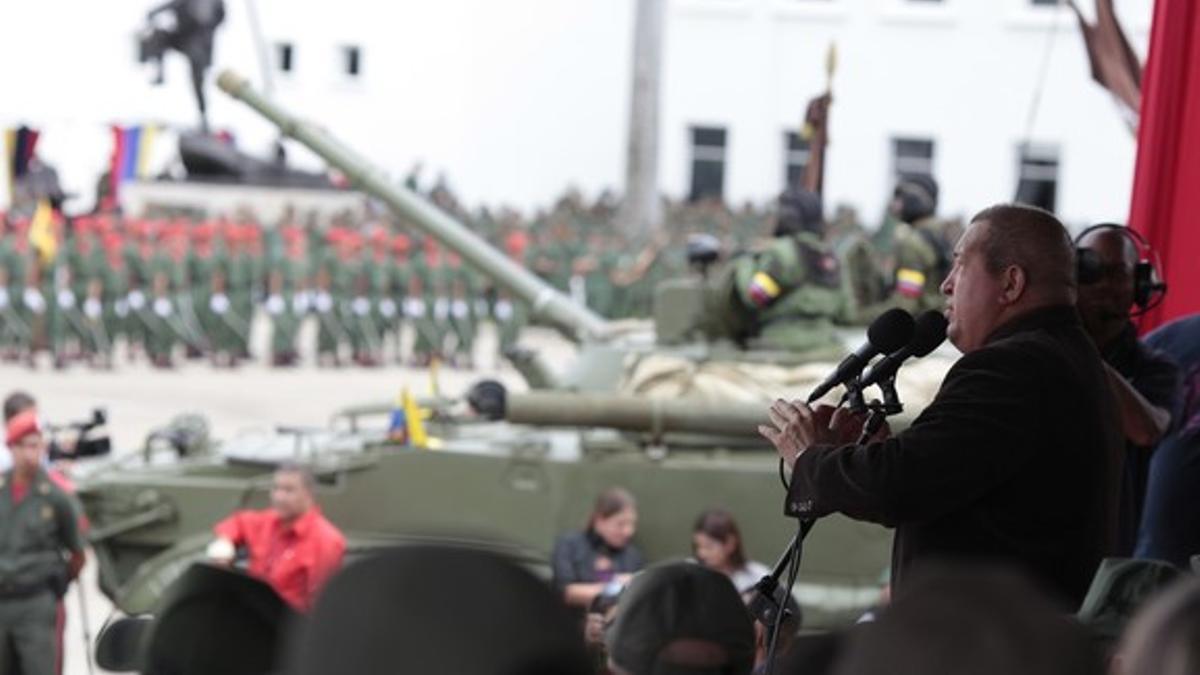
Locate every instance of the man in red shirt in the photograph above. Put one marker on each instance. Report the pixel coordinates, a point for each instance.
(291, 545)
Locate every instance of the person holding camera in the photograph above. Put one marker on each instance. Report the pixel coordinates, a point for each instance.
(41, 550)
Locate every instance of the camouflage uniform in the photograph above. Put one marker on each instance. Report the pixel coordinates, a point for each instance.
(922, 263)
(792, 291)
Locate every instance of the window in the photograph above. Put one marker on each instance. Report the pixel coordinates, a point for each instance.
(1037, 176)
(708, 163)
(795, 158)
(352, 60)
(910, 157)
(284, 57)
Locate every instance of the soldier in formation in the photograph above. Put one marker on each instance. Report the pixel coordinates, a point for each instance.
(376, 291)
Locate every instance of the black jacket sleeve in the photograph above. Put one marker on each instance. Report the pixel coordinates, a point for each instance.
(974, 436)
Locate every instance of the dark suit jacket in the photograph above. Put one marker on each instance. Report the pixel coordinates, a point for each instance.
(1016, 460)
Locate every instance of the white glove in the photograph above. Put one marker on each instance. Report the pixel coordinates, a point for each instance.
(66, 299)
(34, 300)
(162, 307)
(275, 305)
(221, 550)
(414, 308)
(219, 303)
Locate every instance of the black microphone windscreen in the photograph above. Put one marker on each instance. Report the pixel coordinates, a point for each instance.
(930, 332)
(891, 330)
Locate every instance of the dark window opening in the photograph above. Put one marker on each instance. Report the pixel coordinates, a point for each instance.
(352, 60)
(795, 159)
(1037, 176)
(911, 157)
(708, 163)
(284, 56)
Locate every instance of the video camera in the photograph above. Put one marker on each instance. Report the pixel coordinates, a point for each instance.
(76, 440)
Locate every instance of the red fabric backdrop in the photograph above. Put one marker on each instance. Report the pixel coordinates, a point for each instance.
(1166, 186)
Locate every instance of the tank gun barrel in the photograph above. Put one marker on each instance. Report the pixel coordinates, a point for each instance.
(546, 302)
(635, 413)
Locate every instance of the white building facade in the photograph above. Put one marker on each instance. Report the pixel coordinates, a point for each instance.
(514, 101)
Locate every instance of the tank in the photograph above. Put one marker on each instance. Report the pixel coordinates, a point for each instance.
(673, 423)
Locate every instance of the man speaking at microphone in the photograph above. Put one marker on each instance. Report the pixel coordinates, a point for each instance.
(1016, 459)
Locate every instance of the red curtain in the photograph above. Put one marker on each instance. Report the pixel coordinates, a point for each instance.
(1166, 185)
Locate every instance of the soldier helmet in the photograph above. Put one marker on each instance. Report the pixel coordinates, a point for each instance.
(918, 196)
(799, 211)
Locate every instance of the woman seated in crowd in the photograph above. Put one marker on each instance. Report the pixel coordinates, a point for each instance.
(599, 560)
(717, 544)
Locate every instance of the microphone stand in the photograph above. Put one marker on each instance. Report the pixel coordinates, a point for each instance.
(769, 605)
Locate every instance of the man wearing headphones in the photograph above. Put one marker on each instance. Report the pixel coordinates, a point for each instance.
(1117, 282)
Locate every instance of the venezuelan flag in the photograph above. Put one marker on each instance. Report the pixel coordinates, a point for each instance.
(763, 289)
(910, 283)
(132, 147)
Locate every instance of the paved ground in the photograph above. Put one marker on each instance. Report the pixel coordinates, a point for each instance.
(138, 399)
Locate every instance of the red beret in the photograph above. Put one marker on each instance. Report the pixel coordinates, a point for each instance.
(20, 426)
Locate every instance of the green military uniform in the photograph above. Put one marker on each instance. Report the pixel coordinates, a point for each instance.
(36, 534)
(510, 316)
(33, 306)
(598, 282)
(90, 288)
(421, 309)
(787, 296)
(163, 315)
(862, 282)
(463, 313)
(287, 306)
(114, 306)
(138, 321)
(360, 309)
(244, 272)
(15, 331)
(395, 296)
(201, 265)
(328, 296)
(922, 263)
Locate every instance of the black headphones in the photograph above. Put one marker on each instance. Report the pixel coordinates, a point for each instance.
(1148, 287)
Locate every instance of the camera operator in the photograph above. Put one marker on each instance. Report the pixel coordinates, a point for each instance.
(1017, 458)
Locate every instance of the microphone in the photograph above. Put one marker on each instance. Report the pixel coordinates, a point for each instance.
(888, 332)
(930, 331)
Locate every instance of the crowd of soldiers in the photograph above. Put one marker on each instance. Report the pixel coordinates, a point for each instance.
(375, 290)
